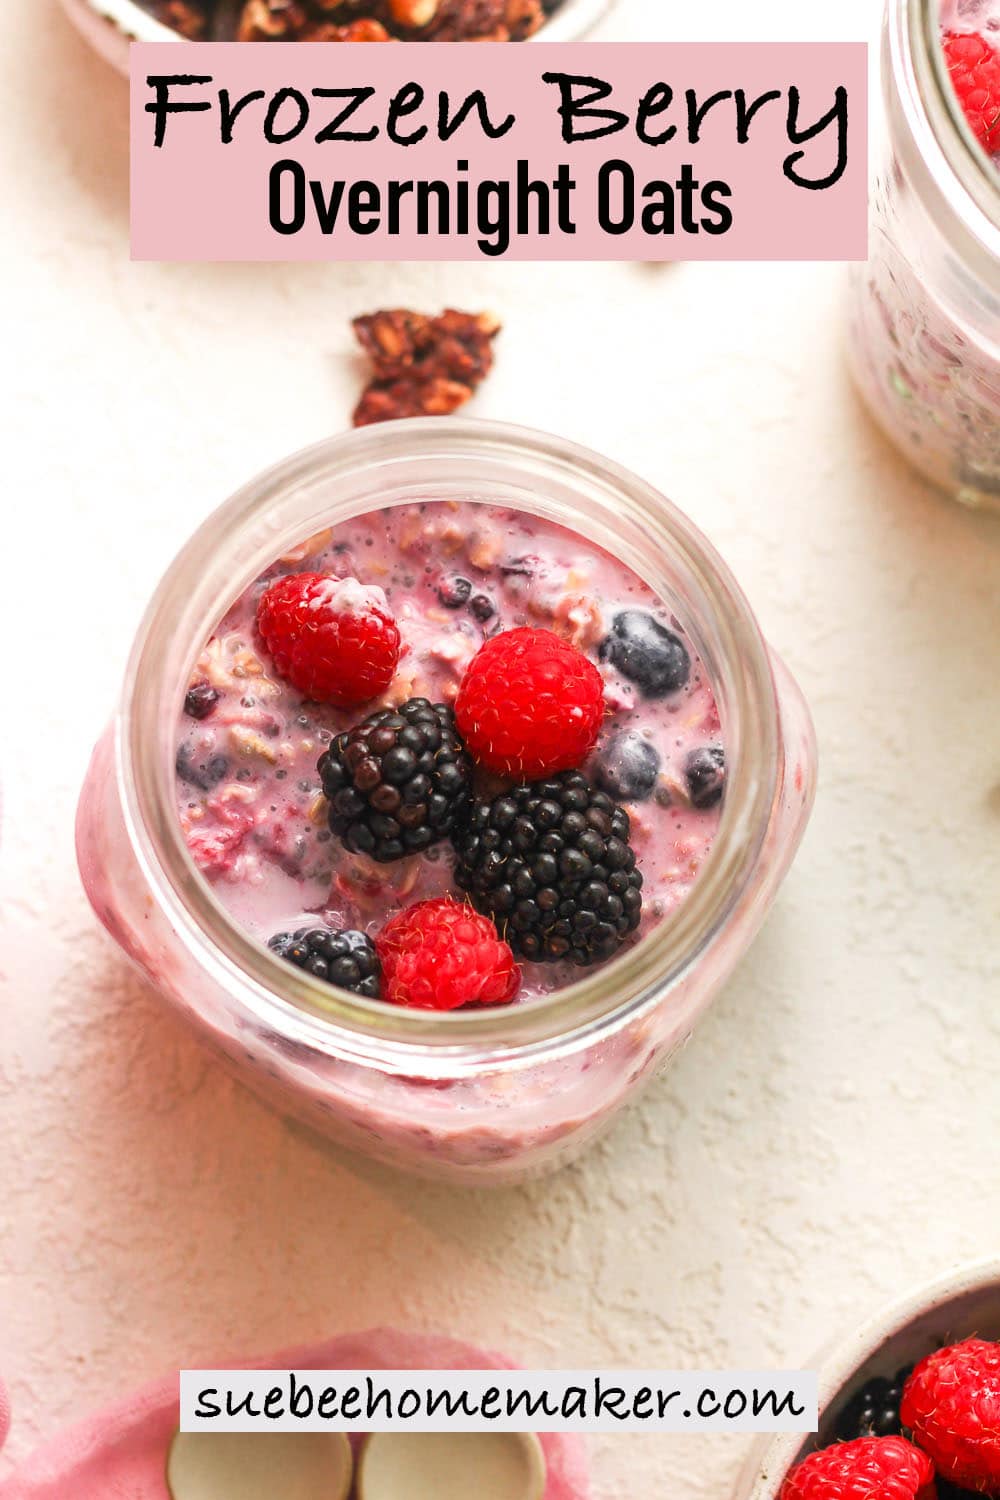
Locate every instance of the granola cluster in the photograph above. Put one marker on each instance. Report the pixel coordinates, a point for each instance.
(422, 367)
(353, 20)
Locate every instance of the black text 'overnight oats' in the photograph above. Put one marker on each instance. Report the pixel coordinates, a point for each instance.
(484, 798)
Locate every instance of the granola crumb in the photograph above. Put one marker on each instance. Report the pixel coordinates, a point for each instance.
(366, 29)
(185, 16)
(422, 366)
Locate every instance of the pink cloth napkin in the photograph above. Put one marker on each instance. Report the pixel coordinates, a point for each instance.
(121, 1454)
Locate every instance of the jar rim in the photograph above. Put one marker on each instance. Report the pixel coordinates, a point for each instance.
(185, 610)
(941, 152)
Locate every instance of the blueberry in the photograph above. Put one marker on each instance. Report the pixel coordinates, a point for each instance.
(519, 567)
(482, 607)
(705, 774)
(647, 653)
(200, 700)
(627, 767)
(454, 592)
(203, 774)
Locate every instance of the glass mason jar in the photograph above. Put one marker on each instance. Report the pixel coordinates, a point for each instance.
(479, 1095)
(925, 310)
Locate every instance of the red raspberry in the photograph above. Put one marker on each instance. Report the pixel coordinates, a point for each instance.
(888, 1468)
(332, 638)
(216, 843)
(440, 954)
(951, 1403)
(975, 75)
(530, 704)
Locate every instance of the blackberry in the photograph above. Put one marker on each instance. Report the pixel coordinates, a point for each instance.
(705, 774)
(347, 959)
(874, 1410)
(396, 781)
(647, 653)
(551, 862)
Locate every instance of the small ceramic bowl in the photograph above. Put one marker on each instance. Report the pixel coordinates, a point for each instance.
(962, 1304)
(451, 1466)
(110, 25)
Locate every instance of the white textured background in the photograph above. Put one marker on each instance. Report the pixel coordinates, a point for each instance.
(829, 1137)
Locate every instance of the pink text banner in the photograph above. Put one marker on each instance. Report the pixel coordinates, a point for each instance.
(452, 151)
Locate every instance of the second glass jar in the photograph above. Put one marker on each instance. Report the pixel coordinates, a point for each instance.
(487, 1095)
(925, 310)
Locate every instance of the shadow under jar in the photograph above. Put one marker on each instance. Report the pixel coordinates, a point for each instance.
(475, 1095)
(925, 309)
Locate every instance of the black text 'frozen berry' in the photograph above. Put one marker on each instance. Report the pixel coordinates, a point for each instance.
(396, 781)
(347, 959)
(627, 767)
(705, 774)
(647, 653)
(551, 863)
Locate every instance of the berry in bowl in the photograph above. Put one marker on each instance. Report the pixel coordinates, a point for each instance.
(451, 778)
(907, 1408)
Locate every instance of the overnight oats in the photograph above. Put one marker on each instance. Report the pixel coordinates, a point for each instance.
(451, 779)
(925, 324)
(442, 704)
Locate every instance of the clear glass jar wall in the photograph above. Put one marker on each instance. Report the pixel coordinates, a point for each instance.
(925, 309)
(477, 1096)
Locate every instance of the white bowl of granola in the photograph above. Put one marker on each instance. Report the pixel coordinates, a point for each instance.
(111, 25)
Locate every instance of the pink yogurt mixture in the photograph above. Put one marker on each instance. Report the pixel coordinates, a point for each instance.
(971, 15)
(248, 792)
